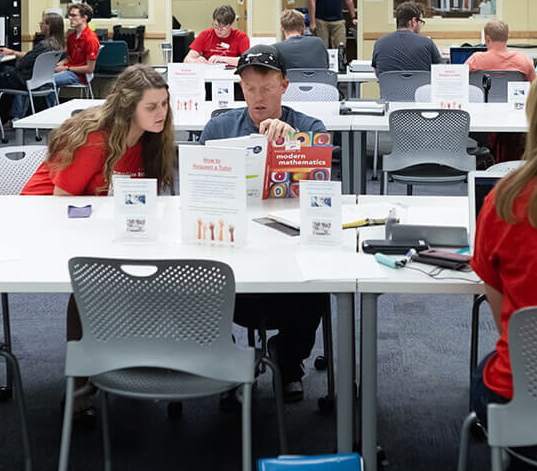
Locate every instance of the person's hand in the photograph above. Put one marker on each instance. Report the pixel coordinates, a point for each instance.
(274, 129)
(215, 59)
(354, 21)
(60, 68)
(6, 51)
(201, 60)
(313, 26)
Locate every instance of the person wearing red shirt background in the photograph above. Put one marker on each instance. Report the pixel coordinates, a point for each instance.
(505, 258)
(131, 133)
(82, 48)
(221, 43)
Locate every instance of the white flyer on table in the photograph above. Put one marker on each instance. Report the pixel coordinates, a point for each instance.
(332, 60)
(449, 85)
(320, 212)
(213, 195)
(135, 209)
(255, 146)
(187, 86)
(517, 94)
(223, 93)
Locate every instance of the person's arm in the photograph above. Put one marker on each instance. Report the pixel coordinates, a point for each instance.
(350, 7)
(311, 12)
(436, 56)
(11, 52)
(223, 60)
(77, 69)
(193, 57)
(495, 299)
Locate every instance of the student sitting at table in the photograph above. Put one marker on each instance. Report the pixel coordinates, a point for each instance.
(263, 82)
(221, 43)
(130, 134)
(51, 26)
(505, 258)
(299, 51)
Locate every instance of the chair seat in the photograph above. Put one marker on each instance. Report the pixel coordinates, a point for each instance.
(158, 383)
(429, 173)
(36, 92)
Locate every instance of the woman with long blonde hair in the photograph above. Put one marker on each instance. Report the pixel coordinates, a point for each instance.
(506, 260)
(130, 134)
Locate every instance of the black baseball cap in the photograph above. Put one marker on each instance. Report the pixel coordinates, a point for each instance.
(261, 55)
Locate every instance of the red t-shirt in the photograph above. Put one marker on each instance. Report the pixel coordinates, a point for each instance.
(85, 175)
(81, 50)
(208, 44)
(506, 258)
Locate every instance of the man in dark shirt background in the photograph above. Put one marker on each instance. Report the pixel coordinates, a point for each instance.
(326, 21)
(405, 49)
(299, 51)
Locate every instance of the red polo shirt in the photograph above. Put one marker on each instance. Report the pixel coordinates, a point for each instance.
(82, 49)
(208, 44)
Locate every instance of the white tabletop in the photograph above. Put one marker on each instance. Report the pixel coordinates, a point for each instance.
(52, 118)
(8, 57)
(484, 117)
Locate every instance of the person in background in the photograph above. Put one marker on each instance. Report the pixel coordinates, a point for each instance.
(51, 26)
(262, 71)
(82, 48)
(498, 57)
(299, 51)
(221, 43)
(405, 49)
(326, 21)
(505, 258)
(130, 134)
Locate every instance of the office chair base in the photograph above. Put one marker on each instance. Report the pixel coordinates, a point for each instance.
(478, 432)
(6, 393)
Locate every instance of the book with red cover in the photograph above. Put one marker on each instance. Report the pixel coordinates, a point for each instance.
(305, 156)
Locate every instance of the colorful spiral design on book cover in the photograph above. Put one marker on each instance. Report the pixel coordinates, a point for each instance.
(297, 176)
(279, 190)
(295, 190)
(320, 174)
(280, 142)
(303, 137)
(321, 139)
(279, 177)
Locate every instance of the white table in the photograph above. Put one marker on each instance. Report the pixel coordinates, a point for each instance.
(484, 117)
(38, 230)
(8, 57)
(431, 210)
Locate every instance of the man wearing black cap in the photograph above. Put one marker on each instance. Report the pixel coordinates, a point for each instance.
(296, 316)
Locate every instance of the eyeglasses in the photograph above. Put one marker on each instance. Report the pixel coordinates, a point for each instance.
(73, 15)
(420, 20)
(220, 27)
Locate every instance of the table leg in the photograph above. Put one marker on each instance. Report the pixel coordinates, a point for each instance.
(19, 136)
(368, 363)
(344, 376)
(7, 390)
(346, 162)
(349, 90)
(358, 183)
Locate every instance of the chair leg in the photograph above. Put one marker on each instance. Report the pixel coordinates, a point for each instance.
(474, 335)
(247, 427)
(67, 424)
(11, 360)
(470, 420)
(90, 90)
(278, 393)
(107, 453)
(384, 183)
(37, 135)
(496, 460)
(375, 157)
(409, 190)
(328, 354)
(6, 391)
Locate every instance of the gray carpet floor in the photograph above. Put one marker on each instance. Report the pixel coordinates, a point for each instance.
(423, 395)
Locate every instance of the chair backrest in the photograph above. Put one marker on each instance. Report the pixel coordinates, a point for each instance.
(113, 57)
(43, 71)
(401, 85)
(341, 462)
(521, 413)
(505, 167)
(421, 136)
(219, 111)
(89, 77)
(302, 91)
(173, 314)
(17, 165)
(498, 82)
(475, 94)
(312, 75)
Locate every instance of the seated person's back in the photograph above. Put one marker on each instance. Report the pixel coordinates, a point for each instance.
(405, 49)
(299, 51)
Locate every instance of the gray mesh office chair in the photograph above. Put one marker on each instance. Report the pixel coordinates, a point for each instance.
(42, 74)
(312, 75)
(429, 147)
(398, 85)
(512, 424)
(498, 83)
(85, 88)
(157, 330)
(475, 94)
(311, 91)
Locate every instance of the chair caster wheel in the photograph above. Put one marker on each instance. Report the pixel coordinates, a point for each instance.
(374, 178)
(326, 404)
(175, 410)
(5, 141)
(478, 432)
(320, 363)
(6, 393)
(382, 458)
(38, 138)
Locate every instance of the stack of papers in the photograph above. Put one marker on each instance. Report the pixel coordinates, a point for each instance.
(361, 66)
(375, 107)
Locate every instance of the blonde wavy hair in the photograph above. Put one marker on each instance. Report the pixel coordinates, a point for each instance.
(114, 118)
(511, 186)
